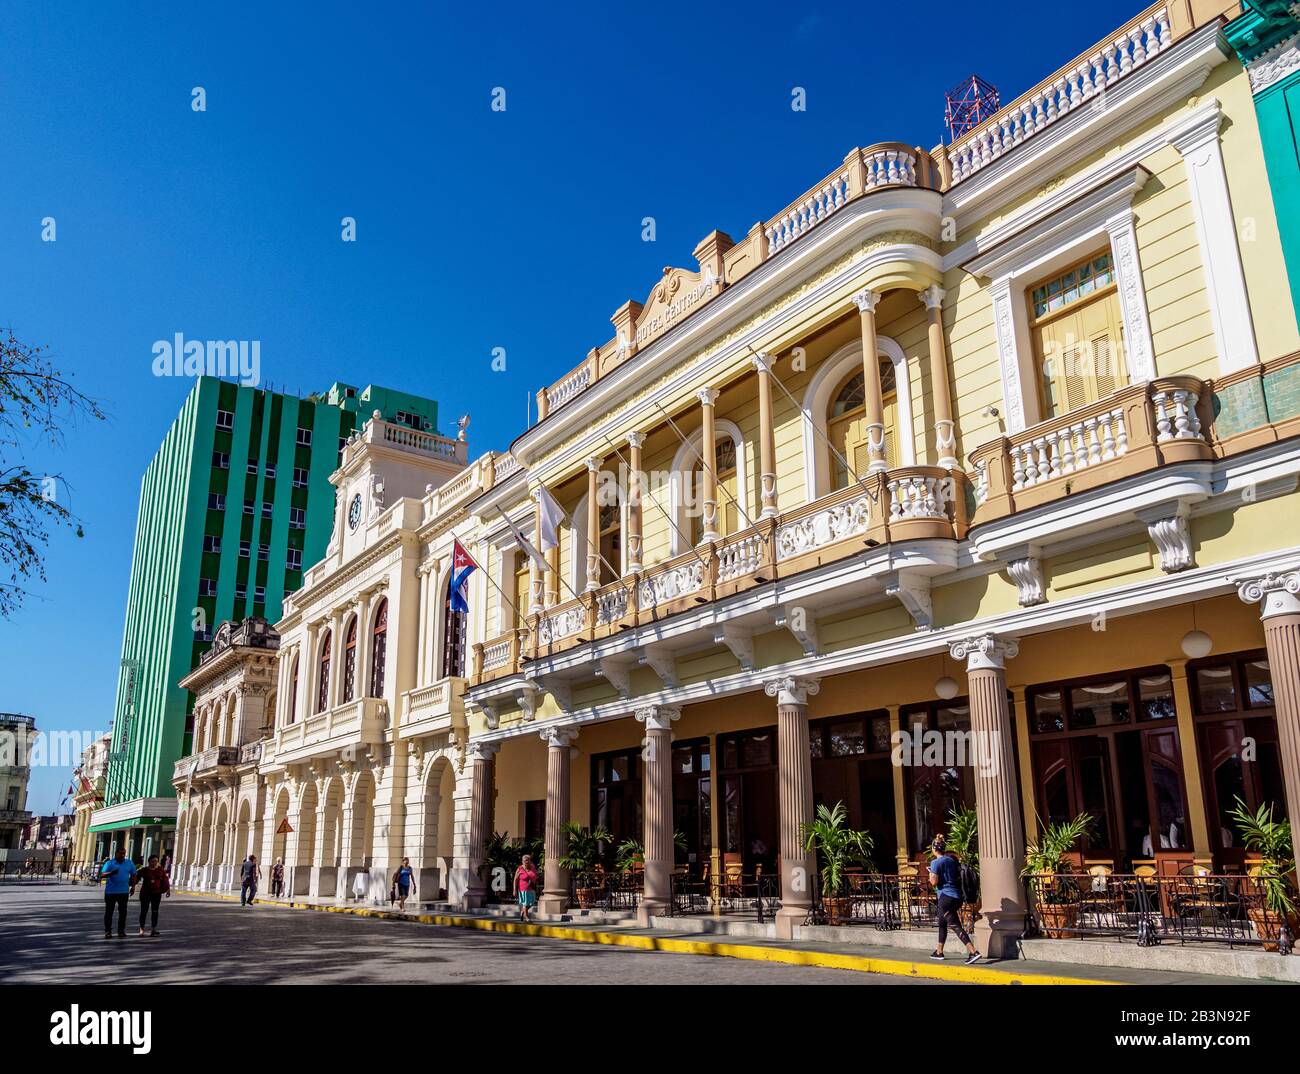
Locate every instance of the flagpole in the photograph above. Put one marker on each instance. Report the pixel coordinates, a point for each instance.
(813, 425)
(654, 500)
(520, 536)
(749, 522)
(488, 575)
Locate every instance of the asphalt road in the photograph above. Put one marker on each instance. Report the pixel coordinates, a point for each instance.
(53, 934)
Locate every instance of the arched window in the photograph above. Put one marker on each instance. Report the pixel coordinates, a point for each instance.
(453, 637)
(293, 692)
(323, 678)
(350, 661)
(379, 650)
(846, 424)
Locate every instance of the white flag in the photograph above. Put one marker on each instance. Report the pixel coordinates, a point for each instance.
(552, 516)
(524, 542)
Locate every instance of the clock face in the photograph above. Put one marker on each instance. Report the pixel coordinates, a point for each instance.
(354, 512)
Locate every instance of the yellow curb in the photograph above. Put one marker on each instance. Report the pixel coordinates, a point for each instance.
(784, 955)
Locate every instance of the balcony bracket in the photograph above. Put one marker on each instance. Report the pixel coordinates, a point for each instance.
(740, 641)
(913, 592)
(528, 699)
(1167, 527)
(1024, 566)
(618, 674)
(663, 663)
(491, 712)
(560, 689)
(801, 624)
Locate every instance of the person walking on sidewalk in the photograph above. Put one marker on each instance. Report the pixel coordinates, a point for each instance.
(526, 887)
(945, 875)
(154, 884)
(119, 881)
(277, 878)
(404, 883)
(249, 874)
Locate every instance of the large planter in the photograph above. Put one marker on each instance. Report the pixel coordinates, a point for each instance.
(839, 909)
(1058, 920)
(1268, 925)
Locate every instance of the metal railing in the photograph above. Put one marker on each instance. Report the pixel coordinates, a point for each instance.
(730, 893)
(606, 890)
(1227, 909)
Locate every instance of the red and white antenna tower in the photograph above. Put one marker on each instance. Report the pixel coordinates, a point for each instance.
(968, 105)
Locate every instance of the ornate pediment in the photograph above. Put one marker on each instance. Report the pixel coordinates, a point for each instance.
(678, 293)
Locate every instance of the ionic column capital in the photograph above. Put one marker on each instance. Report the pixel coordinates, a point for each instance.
(707, 396)
(657, 717)
(932, 297)
(762, 362)
(481, 751)
(866, 301)
(1277, 592)
(593, 464)
(558, 738)
(984, 652)
(790, 690)
(635, 439)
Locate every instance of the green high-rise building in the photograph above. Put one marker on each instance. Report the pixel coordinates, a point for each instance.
(234, 505)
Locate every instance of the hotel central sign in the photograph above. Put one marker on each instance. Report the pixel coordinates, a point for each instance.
(674, 297)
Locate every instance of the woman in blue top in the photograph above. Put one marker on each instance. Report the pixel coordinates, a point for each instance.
(404, 883)
(945, 876)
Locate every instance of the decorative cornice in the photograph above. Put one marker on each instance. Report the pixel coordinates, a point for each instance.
(1277, 63)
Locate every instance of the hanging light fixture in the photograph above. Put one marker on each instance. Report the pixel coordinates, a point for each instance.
(1196, 643)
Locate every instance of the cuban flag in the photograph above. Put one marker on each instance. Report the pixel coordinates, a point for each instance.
(462, 566)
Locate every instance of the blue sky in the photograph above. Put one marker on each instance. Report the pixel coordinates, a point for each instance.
(475, 229)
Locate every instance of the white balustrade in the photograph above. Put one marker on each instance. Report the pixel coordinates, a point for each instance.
(917, 496)
(569, 387)
(1176, 417)
(1069, 449)
(494, 656)
(814, 531)
(611, 606)
(889, 167)
(562, 624)
(1067, 92)
(740, 558)
(670, 584)
(808, 213)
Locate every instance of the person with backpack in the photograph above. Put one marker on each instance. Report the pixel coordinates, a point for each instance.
(946, 878)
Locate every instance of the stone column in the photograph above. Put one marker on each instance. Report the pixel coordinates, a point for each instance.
(1278, 594)
(875, 408)
(658, 836)
(945, 429)
(555, 893)
(634, 442)
(336, 657)
(482, 801)
(1001, 835)
(593, 524)
(795, 797)
(365, 653)
(1183, 711)
(309, 674)
(708, 468)
(766, 437)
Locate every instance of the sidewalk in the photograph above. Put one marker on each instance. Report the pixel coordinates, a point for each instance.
(863, 958)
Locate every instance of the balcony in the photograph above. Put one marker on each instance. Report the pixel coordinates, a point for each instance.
(910, 503)
(356, 725)
(435, 708)
(1134, 430)
(15, 816)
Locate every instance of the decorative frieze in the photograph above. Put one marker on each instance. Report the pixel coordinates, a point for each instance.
(811, 532)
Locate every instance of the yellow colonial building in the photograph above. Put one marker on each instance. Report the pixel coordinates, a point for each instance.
(990, 448)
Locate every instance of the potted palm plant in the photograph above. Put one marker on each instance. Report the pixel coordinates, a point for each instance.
(1056, 902)
(1271, 840)
(582, 857)
(962, 838)
(629, 855)
(838, 846)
